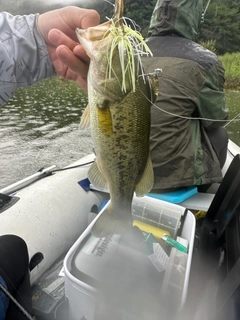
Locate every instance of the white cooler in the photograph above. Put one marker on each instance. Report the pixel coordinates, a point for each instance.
(93, 264)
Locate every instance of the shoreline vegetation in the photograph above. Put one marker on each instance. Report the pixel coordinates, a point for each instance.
(231, 64)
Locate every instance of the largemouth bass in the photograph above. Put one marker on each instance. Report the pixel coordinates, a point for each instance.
(119, 101)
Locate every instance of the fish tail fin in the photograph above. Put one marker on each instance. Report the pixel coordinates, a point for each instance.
(109, 223)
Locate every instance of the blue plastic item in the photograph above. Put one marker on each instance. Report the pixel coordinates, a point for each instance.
(85, 184)
(175, 196)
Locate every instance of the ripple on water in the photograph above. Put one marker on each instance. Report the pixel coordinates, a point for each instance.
(39, 128)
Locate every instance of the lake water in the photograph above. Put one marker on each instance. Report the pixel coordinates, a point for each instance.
(39, 127)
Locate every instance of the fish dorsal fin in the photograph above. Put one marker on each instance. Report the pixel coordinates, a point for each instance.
(146, 182)
(96, 177)
(85, 118)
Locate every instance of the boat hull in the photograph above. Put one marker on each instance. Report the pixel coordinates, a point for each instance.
(51, 214)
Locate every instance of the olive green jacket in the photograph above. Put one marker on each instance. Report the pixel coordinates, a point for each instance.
(190, 95)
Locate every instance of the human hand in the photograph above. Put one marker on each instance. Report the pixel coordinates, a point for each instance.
(58, 30)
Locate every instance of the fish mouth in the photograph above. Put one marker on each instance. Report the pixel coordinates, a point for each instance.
(96, 33)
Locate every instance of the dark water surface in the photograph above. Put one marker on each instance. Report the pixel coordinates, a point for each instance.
(39, 127)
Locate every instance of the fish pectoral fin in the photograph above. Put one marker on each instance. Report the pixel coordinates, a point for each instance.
(105, 118)
(96, 177)
(112, 223)
(85, 118)
(146, 182)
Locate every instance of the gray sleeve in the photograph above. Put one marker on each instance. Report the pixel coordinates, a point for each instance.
(24, 57)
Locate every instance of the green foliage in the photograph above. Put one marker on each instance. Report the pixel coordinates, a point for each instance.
(222, 25)
(231, 64)
(210, 45)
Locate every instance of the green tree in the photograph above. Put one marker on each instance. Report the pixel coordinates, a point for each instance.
(139, 12)
(222, 25)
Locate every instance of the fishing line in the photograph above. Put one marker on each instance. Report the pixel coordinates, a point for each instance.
(135, 26)
(187, 118)
(10, 297)
(232, 120)
(190, 118)
(109, 2)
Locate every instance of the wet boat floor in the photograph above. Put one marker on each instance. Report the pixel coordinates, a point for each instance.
(48, 294)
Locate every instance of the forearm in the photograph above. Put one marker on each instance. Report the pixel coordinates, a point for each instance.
(24, 56)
